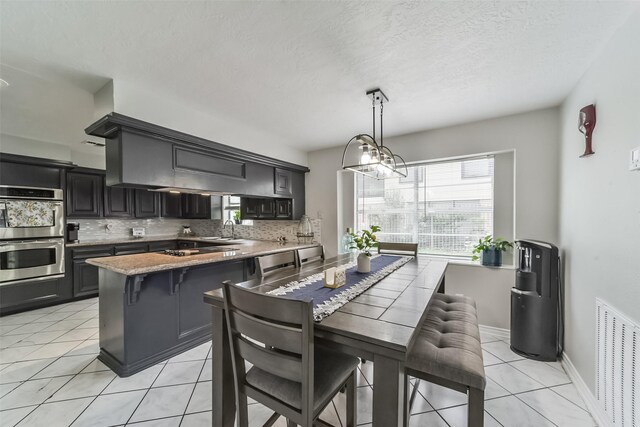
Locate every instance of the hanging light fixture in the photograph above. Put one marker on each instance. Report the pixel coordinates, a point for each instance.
(364, 155)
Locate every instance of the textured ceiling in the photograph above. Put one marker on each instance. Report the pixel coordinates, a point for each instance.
(299, 70)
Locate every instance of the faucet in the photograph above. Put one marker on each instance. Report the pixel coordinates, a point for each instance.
(233, 229)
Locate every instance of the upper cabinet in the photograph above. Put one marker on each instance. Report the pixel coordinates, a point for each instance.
(196, 206)
(171, 205)
(282, 182)
(147, 204)
(84, 194)
(118, 202)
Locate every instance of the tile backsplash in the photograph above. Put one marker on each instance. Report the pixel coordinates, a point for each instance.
(96, 229)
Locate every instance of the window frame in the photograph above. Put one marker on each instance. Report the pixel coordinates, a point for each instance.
(422, 185)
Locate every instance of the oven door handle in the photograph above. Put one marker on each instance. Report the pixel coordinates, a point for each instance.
(32, 244)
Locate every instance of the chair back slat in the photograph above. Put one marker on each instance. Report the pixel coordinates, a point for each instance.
(398, 248)
(274, 334)
(282, 337)
(283, 365)
(269, 264)
(268, 307)
(313, 254)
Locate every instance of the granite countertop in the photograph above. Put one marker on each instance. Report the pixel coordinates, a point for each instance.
(131, 239)
(131, 265)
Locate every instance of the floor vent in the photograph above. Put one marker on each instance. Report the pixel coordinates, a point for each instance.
(617, 370)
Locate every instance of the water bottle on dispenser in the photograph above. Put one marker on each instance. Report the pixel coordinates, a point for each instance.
(536, 302)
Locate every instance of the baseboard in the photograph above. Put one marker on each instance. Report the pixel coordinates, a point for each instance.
(504, 334)
(593, 406)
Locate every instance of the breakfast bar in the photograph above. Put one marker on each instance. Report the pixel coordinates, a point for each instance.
(151, 308)
(380, 325)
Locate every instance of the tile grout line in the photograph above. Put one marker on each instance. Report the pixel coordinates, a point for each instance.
(145, 394)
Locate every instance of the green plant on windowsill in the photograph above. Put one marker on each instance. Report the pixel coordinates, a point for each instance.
(489, 250)
(236, 217)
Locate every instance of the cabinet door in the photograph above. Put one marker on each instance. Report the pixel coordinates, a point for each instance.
(171, 205)
(118, 202)
(248, 208)
(85, 278)
(266, 208)
(147, 204)
(162, 246)
(84, 195)
(196, 206)
(282, 182)
(283, 208)
(128, 249)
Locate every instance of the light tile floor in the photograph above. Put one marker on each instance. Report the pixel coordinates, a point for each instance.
(49, 376)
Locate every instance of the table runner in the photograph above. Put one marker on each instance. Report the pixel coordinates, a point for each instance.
(327, 300)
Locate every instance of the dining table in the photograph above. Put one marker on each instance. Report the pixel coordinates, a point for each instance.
(380, 325)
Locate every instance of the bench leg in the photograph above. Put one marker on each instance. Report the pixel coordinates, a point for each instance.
(476, 408)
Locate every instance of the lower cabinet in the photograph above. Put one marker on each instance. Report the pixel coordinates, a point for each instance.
(34, 294)
(84, 276)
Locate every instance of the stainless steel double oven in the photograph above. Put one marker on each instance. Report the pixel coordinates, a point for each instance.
(31, 234)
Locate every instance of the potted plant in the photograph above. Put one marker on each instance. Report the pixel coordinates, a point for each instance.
(489, 250)
(236, 217)
(364, 243)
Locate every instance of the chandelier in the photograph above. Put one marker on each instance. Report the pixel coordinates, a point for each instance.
(364, 155)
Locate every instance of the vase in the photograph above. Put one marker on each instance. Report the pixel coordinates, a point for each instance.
(364, 263)
(492, 257)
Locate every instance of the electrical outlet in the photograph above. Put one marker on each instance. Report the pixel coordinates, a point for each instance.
(634, 162)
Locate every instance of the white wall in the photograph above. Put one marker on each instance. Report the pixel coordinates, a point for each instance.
(600, 197)
(49, 150)
(148, 105)
(533, 136)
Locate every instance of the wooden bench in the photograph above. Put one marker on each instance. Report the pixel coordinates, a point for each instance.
(447, 352)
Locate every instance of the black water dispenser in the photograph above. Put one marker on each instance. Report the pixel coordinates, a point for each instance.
(536, 302)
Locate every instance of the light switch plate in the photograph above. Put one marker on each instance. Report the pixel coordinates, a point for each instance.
(634, 162)
(138, 231)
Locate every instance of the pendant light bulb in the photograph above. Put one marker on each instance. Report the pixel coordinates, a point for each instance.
(365, 158)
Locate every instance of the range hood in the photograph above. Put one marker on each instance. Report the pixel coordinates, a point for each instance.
(143, 155)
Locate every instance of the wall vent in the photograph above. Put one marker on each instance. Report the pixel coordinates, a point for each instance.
(617, 370)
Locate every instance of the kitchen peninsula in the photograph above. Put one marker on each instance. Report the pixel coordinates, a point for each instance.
(151, 304)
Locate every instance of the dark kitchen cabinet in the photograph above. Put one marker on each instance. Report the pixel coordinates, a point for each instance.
(249, 208)
(196, 206)
(162, 246)
(282, 182)
(266, 208)
(171, 205)
(131, 248)
(147, 204)
(85, 276)
(84, 194)
(254, 208)
(284, 208)
(118, 202)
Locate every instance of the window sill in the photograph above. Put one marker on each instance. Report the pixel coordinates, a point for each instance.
(467, 262)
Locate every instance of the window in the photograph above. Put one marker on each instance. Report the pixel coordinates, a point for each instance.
(445, 206)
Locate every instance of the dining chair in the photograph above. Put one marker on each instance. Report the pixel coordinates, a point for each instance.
(289, 374)
(398, 248)
(269, 264)
(308, 255)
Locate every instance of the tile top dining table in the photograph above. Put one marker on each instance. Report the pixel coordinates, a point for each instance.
(379, 325)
